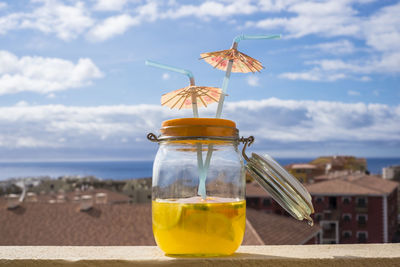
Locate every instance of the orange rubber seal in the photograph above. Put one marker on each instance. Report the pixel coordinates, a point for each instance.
(199, 127)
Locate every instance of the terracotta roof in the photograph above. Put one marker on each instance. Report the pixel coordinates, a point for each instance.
(251, 237)
(62, 224)
(278, 230)
(253, 189)
(112, 197)
(353, 185)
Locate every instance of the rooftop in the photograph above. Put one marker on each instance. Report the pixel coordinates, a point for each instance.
(253, 189)
(63, 224)
(291, 231)
(353, 185)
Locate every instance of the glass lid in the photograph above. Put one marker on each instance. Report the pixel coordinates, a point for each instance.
(283, 187)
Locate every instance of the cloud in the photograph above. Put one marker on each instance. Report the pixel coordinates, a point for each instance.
(210, 9)
(314, 75)
(112, 26)
(289, 123)
(365, 79)
(165, 76)
(337, 47)
(335, 69)
(22, 103)
(44, 75)
(3, 5)
(353, 93)
(382, 29)
(66, 21)
(107, 5)
(381, 32)
(253, 81)
(330, 18)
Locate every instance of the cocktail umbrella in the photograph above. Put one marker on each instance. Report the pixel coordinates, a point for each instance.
(241, 62)
(185, 98)
(231, 60)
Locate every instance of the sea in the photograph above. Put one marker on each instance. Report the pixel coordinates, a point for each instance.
(121, 170)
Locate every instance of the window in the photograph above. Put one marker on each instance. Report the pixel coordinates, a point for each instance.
(361, 202)
(332, 202)
(362, 219)
(346, 200)
(252, 202)
(346, 217)
(266, 202)
(318, 217)
(362, 237)
(346, 234)
(319, 200)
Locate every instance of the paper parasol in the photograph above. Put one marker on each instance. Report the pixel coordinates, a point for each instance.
(241, 62)
(184, 97)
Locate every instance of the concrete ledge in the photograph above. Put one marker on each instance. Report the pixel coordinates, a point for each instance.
(309, 255)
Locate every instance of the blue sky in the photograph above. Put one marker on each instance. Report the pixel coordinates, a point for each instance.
(73, 84)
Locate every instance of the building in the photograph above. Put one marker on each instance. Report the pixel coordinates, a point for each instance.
(339, 163)
(304, 172)
(117, 222)
(259, 199)
(391, 173)
(355, 209)
(337, 175)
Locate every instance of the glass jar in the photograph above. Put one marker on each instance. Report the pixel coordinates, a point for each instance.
(198, 194)
(198, 198)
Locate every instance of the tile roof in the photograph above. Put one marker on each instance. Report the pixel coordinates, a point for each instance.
(277, 229)
(62, 224)
(353, 185)
(253, 189)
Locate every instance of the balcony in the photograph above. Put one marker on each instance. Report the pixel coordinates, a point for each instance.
(332, 215)
(307, 255)
(361, 209)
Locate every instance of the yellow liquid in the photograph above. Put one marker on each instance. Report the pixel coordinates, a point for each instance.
(193, 226)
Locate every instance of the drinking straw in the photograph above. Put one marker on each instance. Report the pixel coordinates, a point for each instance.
(189, 74)
(225, 83)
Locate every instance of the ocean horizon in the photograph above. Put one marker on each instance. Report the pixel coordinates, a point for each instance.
(125, 169)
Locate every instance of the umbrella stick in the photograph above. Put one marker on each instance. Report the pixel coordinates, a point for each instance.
(225, 83)
(224, 88)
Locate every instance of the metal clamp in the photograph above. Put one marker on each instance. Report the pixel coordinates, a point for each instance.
(247, 142)
(152, 137)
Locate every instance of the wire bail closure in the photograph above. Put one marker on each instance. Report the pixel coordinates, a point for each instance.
(246, 141)
(152, 137)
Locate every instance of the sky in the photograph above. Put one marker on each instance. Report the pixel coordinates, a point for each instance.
(74, 86)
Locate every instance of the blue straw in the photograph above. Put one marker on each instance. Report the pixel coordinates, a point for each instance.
(200, 167)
